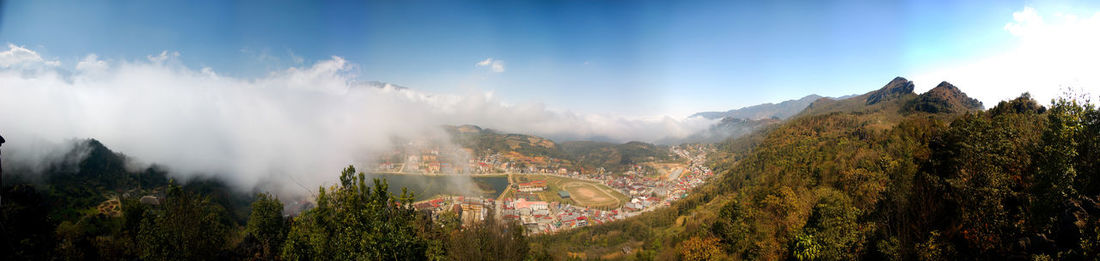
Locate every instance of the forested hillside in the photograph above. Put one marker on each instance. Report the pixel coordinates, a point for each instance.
(574, 155)
(871, 178)
(614, 157)
(485, 142)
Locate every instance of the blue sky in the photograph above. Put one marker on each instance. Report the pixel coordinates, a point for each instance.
(624, 57)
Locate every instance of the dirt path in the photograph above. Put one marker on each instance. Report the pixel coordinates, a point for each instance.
(502, 194)
(511, 181)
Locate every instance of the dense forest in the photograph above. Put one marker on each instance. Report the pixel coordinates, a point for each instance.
(1017, 181)
(889, 175)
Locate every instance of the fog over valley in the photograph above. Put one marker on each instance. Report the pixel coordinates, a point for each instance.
(299, 124)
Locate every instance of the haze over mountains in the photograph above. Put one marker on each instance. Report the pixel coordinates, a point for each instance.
(944, 96)
(780, 110)
(738, 122)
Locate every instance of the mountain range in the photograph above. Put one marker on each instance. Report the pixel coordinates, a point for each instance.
(780, 110)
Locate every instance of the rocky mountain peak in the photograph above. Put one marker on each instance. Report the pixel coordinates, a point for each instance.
(945, 97)
(895, 88)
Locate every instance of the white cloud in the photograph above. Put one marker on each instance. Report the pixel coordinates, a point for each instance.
(1027, 21)
(92, 64)
(1050, 52)
(495, 65)
(163, 56)
(485, 62)
(301, 124)
(18, 56)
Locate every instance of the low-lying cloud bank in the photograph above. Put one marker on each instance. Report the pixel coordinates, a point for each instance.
(302, 124)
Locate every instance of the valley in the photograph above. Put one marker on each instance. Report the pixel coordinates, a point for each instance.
(547, 201)
(549, 130)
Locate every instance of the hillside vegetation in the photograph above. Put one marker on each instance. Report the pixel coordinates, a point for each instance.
(573, 155)
(592, 155)
(487, 142)
(870, 177)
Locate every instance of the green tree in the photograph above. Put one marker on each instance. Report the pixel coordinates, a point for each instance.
(1088, 152)
(1021, 105)
(186, 227)
(732, 227)
(266, 225)
(26, 224)
(697, 248)
(833, 231)
(982, 162)
(806, 247)
(488, 240)
(935, 248)
(1056, 157)
(354, 221)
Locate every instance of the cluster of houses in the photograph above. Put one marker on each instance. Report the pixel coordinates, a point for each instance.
(680, 182)
(548, 217)
(498, 164)
(534, 215)
(647, 192)
(469, 209)
(643, 202)
(574, 217)
(537, 216)
(533, 186)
